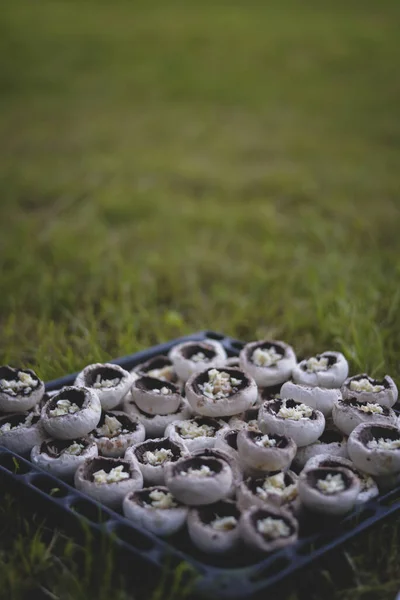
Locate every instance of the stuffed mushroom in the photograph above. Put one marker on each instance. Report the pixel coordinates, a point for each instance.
(189, 358)
(263, 452)
(110, 382)
(21, 431)
(62, 457)
(214, 528)
(320, 398)
(248, 419)
(326, 370)
(71, 413)
(268, 362)
(375, 449)
(268, 528)
(154, 396)
(20, 390)
(155, 425)
(196, 433)
(347, 414)
(331, 491)
(115, 432)
(332, 442)
(158, 367)
(155, 509)
(286, 417)
(279, 488)
(366, 389)
(154, 455)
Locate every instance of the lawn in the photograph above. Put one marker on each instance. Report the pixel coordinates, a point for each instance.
(172, 166)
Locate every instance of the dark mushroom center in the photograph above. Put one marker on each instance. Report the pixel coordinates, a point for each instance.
(191, 350)
(331, 358)
(154, 445)
(253, 484)
(197, 462)
(19, 419)
(281, 440)
(209, 513)
(361, 406)
(149, 416)
(74, 395)
(126, 423)
(377, 432)
(105, 373)
(104, 464)
(318, 474)
(203, 378)
(275, 406)
(231, 438)
(148, 384)
(54, 448)
(9, 374)
(330, 436)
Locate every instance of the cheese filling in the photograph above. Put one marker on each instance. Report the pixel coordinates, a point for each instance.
(191, 430)
(114, 476)
(164, 391)
(101, 383)
(158, 457)
(111, 428)
(165, 373)
(382, 444)
(219, 385)
(199, 357)
(314, 364)
(203, 471)
(364, 385)
(27, 423)
(301, 411)
(370, 407)
(265, 441)
(162, 500)
(64, 407)
(74, 449)
(332, 484)
(224, 523)
(273, 528)
(24, 384)
(275, 484)
(266, 357)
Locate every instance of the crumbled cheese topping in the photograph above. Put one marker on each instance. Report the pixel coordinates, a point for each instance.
(199, 357)
(111, 427)
(203, 471)
(273, 528)
(219, 385)
(75, 449)
(163, 500)
(275, 484)
(24, 383)
(301, 411)
(370, 407)
(252, 425)
(266, 442)
(64, 407)
(224, 523)
(27, 423)
(383, 444)
(164, 391)
(105, 383)
(364, 385)
(332, 484)
(114, 476)
(158, 457)
(190, 430)
(165, 373)
(315, 364)
(366, 482)
(6, 427)
(266, 357)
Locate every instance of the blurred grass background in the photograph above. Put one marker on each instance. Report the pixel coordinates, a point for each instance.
(172, 166)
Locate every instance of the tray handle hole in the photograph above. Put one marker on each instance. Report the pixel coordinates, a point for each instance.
(236, 345)
(132, 537)
(14, 464)
(91, 512)
(214, 336)
(48, 486)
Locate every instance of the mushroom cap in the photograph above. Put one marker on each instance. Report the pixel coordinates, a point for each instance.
(247, 495)
(331, 442)
(222, 407)
(155, 425)
(78, 424)
(347, 414)
(181, 357)
(21, 439)
(332, 377)
(304, 431)
(19, 403)
(386, 397)
(110, 494)
(257, 459)
(173, 431)
(376, 462)
(256, 540)
(155, 402)
(273, 375)
(320, 398)
(226, 440)
(233, 463)
(208, 539)
(194, 490)
(109, 397)
(157, 363)
(116, 445)
(247, 419)
(233, 362)
(62, 465)
(163, 522)
(155, 474)
(338, 503)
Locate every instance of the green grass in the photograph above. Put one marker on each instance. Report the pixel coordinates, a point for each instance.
(173, 166)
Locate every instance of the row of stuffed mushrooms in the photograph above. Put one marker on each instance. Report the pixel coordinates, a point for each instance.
(236, 449)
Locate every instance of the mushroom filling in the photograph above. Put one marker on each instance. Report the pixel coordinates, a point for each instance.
(266, 357)
(317, 363)
(161, 500)
(190, 429)
(102, 382)
(110, 428)
(164, 391)
(295, 412)
(220, 385)
(276, 484)
(383, 444)
(22, 384)
(369, 408)
(231, 438)
(365, 385)
(56, 448)
(366, 481)
(273, 528)
(203, 471)
(165, 373)
(331, 484)
(18, 422)
(198, 353)
(158, 457)
(265, 441)
(224, 523)
(114, 476)
(63, 407)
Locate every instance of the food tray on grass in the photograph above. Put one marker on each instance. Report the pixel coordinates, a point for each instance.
(240, 576)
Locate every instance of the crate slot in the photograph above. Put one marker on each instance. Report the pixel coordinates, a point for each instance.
(90, 511)
(391, 499)
(214, 336)
(14, 464)
(48, 486)
(133, 537)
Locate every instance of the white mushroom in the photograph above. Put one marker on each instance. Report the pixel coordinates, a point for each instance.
(272, 392)
(71, 413)
(62, 457)
(279, 488)
(189, 358)
(21, 431)
(326, 370)
(368, 489)
(110, 382)
(214, 529)
(220, 393)
(226, 440)
(286, 417)
(263, 452)
(269, 362)
(230, 460)
(20, 390)
(196, 433)
(320, 398)
(332, 442)
(233, 362)
(159, 367)
(115, 432)
(155, 425)
(108, 480)
(245, 420)
(347, 414)
(375, 449)
(199, 480)
(329, 491)
(268, 528)
(153, 457)
(366, 389)
(154, 396)
(155, 509)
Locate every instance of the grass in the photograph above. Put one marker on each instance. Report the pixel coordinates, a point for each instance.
(172, 166)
